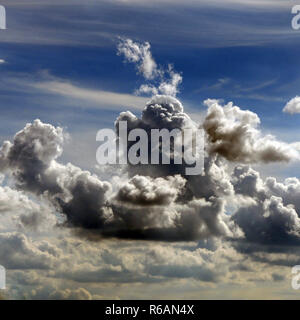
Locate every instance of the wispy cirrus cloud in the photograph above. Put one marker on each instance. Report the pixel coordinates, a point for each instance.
(99, 99)
(98, 23)
(259, 4)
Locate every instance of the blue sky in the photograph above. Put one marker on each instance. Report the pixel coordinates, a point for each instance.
(245, 52)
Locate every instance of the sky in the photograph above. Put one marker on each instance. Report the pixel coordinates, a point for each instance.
(64, 63)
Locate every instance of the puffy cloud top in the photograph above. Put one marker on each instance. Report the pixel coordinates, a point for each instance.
(293, 106)
(233, 134)
(148, 191)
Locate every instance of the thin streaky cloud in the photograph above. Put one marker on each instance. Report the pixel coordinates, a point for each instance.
(100, 98)
(98, 22)
(277, 4)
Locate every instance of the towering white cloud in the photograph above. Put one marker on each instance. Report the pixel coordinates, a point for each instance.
(31, 158)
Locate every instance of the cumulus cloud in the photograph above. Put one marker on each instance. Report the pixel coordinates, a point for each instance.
(161, 112)
(170, 85)
(19, 252)
(159, 80)
(68, 294)
(126, 263)
(18, 210)
(241, 221)
(198, 211)
(147, 191)
(31, 158)
(92, 269)
(161, 202)
(288, 190)
(140, 54)
(236, 222)
(272, 220)
(233, 134)
(147, 262)
(293, 106)
(79, 195)
(158, 202)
